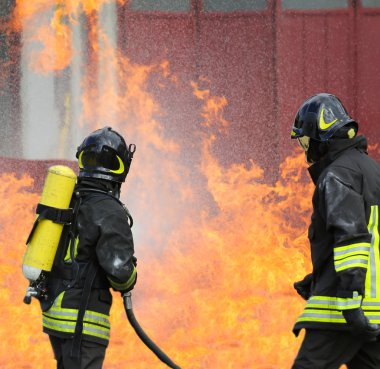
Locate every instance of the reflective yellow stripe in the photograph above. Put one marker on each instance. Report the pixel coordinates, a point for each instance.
(125, 285)
(327, 316)
(334, 303)
(355, 249)
(332, 316)
(80, 164)
(369, 304)
(374, 318)
(57, 306)
(351, 263)
(64, 320)
(69, 327)
(351, 256)
(58, 300)
(372, 283)
(365, 246)
(121, 166)
(68, 253)
(72, 314)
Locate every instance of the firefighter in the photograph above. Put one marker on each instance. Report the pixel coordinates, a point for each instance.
(96, 252)
(342, 311)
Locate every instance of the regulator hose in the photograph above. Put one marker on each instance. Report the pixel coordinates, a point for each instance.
(127, 299)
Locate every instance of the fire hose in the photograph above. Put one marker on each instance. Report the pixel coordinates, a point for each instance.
(127, 299)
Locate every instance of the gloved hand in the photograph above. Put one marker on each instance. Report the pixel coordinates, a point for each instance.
(131, 287)
(303, 287)
(360, 325)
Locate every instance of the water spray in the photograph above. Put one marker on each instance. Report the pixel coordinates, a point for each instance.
(127, 299)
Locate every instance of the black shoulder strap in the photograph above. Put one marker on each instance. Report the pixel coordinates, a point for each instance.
(85, 298)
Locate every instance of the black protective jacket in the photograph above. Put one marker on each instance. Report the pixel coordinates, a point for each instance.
(344, 237)
(100, 243)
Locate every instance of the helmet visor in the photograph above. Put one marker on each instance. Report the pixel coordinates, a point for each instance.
(107, 158)
(304, 142)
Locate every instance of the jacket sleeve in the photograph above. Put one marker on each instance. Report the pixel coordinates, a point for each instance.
(115, 250)
(345, 216)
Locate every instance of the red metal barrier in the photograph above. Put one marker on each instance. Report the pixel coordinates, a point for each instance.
(264, 61)
(264, 56)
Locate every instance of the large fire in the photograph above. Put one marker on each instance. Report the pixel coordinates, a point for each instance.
(219, 295)
(218, 247)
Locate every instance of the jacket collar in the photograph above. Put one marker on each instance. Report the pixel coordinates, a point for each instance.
(99, 184)
(337, 147)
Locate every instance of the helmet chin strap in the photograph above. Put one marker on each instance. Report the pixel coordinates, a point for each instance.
(114, 188)
(116, 191)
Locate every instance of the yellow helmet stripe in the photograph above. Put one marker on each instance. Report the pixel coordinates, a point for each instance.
(121, 167)
(80, 164)
(322, 124)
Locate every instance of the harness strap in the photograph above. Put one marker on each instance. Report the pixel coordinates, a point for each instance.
(72, 235)
(60, 216)
(76, 344)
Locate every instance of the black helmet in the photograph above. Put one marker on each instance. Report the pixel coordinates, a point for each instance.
(104, 154)
(320, 117)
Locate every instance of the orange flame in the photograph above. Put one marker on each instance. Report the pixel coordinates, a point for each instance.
(218, 296)
(46, 27)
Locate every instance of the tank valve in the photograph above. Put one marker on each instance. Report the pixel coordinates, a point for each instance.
(36, 289)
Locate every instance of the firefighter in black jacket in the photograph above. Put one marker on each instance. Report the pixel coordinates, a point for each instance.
(95, 253)
(342, 312)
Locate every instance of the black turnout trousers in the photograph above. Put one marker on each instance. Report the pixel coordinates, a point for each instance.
(323, 349)
(92, 354)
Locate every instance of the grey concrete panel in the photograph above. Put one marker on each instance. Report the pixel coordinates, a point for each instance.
(237, 5)
(161, 5)
(371, 3)
(314, 4)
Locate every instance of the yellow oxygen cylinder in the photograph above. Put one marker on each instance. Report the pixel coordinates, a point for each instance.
(57, 192)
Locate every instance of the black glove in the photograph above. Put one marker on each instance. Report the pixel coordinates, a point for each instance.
(130, 288)
(303, 287)
(360, 325)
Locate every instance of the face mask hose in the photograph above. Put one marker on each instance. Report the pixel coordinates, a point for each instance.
(127, 299)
